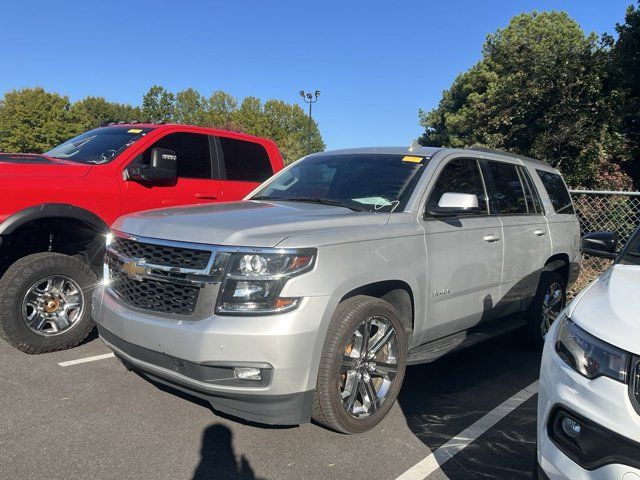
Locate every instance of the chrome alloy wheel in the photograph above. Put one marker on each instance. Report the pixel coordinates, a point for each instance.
(552, 305)
(53, 305)
(368, 367)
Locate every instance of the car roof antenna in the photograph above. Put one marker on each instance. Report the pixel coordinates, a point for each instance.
(414, 145)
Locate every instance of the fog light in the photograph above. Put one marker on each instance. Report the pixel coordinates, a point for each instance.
(247, 373)
(570, 427)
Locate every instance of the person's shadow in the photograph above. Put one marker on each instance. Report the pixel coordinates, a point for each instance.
(218, 459)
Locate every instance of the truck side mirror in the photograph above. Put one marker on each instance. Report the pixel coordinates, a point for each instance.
(600, 244)
(162, 168)
(452, 204)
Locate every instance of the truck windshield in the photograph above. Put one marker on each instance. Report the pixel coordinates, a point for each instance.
(631, 253)
(100, 145)
(370, 182)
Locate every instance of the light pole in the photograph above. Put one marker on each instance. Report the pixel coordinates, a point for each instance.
(309, 98)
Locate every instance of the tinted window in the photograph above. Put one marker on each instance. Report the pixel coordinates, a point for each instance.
(557, 191)
(192, 149)
(461, 175)
(506, 194)
(374, 182)
(245, 161)
(531, 194)
(100, 145)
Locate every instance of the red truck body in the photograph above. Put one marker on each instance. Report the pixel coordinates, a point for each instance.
(55, 210)
(28, 181)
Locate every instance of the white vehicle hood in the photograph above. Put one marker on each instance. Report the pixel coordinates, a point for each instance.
(610, 308)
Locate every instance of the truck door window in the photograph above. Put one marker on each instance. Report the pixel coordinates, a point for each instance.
(192, 149)
(461, 175)
(245, 161)
(506, 193)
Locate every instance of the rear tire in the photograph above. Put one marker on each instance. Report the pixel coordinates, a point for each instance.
(550, 299)
(45, 302)
(362, 365)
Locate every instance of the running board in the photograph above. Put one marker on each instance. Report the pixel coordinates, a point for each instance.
(437, 348)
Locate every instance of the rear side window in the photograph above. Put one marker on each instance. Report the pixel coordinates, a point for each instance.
(461, 175)
(506, 193)
(534, 205)
(558, 193)
(245, 161)
(192, 149)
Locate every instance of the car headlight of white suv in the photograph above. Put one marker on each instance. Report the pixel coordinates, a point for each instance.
(588, 355)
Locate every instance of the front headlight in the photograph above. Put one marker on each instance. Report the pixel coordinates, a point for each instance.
(253, 281)
(588, 355)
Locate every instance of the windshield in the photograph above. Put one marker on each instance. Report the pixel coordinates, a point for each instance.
(631, 252)
(371, 182)
(100, 145)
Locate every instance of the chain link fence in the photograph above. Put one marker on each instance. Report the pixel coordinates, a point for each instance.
(604, 210)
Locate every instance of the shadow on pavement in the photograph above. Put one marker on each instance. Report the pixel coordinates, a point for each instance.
(441, 399)
(218, 459)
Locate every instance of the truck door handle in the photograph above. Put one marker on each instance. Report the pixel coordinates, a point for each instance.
(540, 232)
(207, 196)
(491, 238)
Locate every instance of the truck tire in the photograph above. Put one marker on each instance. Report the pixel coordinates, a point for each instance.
(362, 365)
(550, 299)
(45, 302)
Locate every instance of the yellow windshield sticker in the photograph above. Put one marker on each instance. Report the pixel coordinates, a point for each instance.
(412, 159)
(134, 130)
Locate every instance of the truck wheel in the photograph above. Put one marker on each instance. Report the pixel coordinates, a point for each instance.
(549, 301)
(362, 365)
(45, 302)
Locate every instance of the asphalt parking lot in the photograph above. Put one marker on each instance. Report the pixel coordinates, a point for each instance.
(97, 420)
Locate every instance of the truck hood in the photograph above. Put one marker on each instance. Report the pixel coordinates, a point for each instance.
(609, 308)
(245, 223)
(34, 165)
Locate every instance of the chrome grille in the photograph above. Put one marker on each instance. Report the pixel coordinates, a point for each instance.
(148, 294)
(164, 255)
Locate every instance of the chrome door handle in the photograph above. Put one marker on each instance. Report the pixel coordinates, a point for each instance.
(491, 238)
(540, 232)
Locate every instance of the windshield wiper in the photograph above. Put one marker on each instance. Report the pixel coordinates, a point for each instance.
(323, 201)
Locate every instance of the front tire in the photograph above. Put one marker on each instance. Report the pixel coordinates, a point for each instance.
(45, 302)
(362, 366)
(550, 299)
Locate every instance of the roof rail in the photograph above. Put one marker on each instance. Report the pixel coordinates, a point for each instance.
(509, 154)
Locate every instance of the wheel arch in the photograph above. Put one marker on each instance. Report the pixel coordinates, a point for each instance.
(52, 210)
(558, 263)
(398, 293)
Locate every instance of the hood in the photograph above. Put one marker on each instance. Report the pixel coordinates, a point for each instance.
(34, 165)
(609, 308)
(246, 223)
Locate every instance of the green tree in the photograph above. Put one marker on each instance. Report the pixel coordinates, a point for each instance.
(624, 90)
(158, 105)
(536, 91)
(91, 112)
(221, 111)
(190, 107)
(33, 120)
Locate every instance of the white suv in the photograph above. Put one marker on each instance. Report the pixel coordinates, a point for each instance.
(589, 402)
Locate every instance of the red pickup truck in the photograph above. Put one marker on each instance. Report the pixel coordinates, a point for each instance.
(55, 210)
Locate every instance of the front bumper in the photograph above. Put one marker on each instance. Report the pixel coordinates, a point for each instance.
(198, 356)
(603, 402)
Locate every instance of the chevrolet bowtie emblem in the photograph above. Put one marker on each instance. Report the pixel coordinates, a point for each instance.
(134, 270)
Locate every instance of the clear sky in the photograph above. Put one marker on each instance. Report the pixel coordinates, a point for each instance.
(375, 62)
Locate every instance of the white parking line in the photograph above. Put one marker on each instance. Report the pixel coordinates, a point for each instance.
(86, 360)
(435, 460)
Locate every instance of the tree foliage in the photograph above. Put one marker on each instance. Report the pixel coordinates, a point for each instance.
(33, 120)
(540, 90)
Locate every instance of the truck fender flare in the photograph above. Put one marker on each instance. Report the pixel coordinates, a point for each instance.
(52, 210)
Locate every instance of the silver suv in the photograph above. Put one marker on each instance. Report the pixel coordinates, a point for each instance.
(309, 298)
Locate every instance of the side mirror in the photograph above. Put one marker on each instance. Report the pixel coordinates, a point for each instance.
(600, 244)
(163, 167)
(456, 204)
